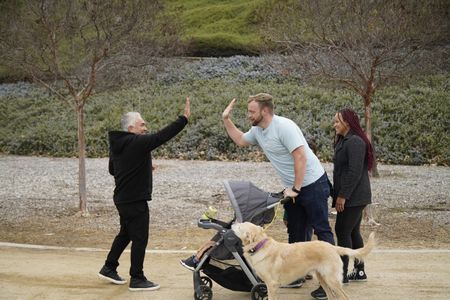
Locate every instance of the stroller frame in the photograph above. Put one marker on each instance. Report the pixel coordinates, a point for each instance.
(250, 204)
(202, 284)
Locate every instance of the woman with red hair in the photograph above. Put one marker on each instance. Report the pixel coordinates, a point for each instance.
(353, 159)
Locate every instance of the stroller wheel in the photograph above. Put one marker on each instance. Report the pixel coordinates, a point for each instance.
(259, 292)
(206, 281)
(204, 291)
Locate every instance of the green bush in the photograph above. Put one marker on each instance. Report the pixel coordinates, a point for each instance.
(418, 126)
(410, 123)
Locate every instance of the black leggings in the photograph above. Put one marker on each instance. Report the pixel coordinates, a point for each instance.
(347, 232)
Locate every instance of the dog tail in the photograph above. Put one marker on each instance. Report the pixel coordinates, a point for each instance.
(361, 252)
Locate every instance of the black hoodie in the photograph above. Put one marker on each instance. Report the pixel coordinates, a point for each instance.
(130, 161)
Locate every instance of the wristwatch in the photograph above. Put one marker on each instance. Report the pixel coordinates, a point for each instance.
(295, 190)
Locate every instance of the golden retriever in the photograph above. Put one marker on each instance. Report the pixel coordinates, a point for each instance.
(281, 263)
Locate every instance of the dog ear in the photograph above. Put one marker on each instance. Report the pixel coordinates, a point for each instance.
(253, 234)
(257, 233)
(247, 238)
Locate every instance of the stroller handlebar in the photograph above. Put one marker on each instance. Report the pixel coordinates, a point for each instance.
(209, 224)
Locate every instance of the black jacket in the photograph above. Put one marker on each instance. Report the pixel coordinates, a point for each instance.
(130, 161)
(350, 174)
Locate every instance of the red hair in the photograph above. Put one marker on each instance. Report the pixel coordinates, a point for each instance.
(350, 117)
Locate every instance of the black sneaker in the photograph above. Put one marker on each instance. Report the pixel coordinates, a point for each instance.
(295, 284)
(190, 263)
(357, 275)
(111, 275)
(319, 294)
(345, 279)
(142, 284)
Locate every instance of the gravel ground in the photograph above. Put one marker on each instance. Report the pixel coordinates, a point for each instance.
(39, 201)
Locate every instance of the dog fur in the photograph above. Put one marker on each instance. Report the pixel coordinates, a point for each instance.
(281, 263)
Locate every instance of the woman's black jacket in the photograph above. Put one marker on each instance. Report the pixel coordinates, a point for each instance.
(350, 174)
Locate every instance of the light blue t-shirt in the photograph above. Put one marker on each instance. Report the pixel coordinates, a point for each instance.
(278, 140)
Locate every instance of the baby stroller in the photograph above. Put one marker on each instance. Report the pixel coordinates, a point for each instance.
(250, 204)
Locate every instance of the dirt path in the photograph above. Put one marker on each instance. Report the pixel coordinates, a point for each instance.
(70, 274)
(39, 200)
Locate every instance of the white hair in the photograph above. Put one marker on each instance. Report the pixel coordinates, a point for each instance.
(128, 119)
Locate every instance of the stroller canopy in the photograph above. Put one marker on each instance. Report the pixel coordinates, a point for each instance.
(250, 203)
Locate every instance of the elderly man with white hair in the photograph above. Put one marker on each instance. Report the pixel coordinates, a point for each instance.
(130, 163)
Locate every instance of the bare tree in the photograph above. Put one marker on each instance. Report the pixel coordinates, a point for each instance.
(65, 44)
(360, 44)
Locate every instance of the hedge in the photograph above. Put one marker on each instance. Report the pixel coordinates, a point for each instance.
(410, 123)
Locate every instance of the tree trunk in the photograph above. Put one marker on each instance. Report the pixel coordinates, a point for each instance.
(81, 161)
(368, 214)
(368, 126)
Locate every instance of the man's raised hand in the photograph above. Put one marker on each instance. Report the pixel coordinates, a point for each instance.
(187, 108)
(226, 113)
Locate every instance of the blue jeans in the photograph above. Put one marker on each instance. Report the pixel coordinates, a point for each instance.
(310, 210)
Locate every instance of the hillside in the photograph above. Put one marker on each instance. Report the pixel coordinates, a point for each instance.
(218, 28)
(410, 112)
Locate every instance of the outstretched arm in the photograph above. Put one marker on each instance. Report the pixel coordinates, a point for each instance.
(155, 140)
(235, 134)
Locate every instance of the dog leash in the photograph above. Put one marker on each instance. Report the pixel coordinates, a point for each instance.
(274, 217)
(276, 212)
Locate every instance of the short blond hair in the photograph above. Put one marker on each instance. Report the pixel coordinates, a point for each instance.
(263, 99)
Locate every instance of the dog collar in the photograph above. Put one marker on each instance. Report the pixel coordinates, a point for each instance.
(258, 246)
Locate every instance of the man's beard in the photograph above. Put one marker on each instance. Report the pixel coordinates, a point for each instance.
(257, 121)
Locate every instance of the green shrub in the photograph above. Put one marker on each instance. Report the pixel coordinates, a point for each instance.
(410, 123)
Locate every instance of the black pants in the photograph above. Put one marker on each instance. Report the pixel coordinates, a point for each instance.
(134, 222)
(347, 231)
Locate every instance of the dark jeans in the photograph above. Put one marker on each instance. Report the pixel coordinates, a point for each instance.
(134, 222)
(310, 210)
(348, 234)
(298, 233)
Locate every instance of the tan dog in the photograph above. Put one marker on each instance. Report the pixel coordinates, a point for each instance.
(281, 263)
